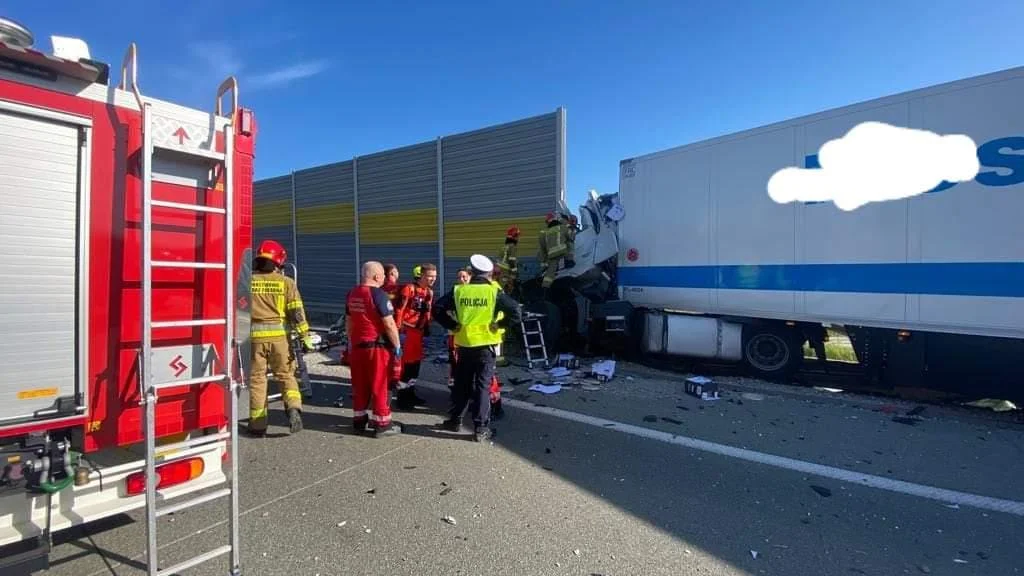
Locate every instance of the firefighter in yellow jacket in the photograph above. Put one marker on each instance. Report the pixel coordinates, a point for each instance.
(508, 263)
(556, 243)
(276, 308)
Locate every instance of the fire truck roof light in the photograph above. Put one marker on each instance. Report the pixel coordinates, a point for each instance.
(73, 49)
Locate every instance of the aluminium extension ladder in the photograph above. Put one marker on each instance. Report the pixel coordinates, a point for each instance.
(149, 387)
(530, 325)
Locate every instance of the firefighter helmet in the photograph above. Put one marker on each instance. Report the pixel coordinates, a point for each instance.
(551, 217)
(417, 271)
(273, 251)
(513, 232)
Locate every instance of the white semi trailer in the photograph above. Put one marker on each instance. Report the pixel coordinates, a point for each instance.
(930, 288)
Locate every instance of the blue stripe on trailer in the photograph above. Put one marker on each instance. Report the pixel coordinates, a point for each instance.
(953, 278)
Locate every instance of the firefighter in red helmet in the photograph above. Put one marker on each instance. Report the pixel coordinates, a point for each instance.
(276, 308)
(508, 266)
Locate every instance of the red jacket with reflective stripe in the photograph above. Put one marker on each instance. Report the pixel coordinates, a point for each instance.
(367, 323)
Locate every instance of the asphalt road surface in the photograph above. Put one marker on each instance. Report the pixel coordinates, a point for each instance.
(629, 477)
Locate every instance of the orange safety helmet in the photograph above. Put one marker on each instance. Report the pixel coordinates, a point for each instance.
(273, 251)
(513, 232)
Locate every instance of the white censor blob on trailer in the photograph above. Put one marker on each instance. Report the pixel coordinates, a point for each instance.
(875, 162)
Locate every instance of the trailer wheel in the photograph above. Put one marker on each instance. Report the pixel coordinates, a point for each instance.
(771, 352)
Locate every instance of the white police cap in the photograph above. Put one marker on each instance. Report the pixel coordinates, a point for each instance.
(481, 263)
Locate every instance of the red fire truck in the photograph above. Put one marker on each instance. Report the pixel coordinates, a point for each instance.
(126, 226)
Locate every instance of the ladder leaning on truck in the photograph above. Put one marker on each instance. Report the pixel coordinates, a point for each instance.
(133, 220)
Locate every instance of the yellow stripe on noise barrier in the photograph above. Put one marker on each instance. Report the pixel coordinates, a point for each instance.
(275, 213)
(401, 227)
(326, 219)
(487, 236)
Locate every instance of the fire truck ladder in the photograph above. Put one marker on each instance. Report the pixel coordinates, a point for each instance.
(149, 388)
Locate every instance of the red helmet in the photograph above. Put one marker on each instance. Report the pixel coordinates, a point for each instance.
(513, 232)
(273, 251)
(550, 217)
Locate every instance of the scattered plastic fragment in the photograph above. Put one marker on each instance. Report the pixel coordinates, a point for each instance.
(754, 554)
(821, 490)
(342, 523)
(993, 404)
(449, 520)
(446, 491)
(546, 389)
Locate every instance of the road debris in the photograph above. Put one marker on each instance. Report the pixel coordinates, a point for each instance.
(449, 520)
(754, 553)
(906, 420)
(547, 388)
(446, 491)
(702, 387)
(821, 490)
(342, 523)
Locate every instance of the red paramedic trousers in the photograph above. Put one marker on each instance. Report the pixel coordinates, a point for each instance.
(370, 368)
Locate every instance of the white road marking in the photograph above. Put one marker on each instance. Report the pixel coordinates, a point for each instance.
(931, 492)
(206, 529)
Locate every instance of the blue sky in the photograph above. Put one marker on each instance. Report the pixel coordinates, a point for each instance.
(328, 83)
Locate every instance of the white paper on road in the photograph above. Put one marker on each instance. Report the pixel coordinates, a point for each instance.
(546, 389)
(604, 368)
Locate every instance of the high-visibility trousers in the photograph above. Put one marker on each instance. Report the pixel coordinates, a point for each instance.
(278, 355)
(371, 399)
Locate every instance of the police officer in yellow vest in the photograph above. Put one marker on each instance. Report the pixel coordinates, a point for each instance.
(474, 308)
(556, 243)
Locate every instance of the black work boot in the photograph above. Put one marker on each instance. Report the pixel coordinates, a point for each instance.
(497, 412)
(294, 420)
(452, 425)
(392, 429)
(251, 433)
(482, 434)
(359, 426)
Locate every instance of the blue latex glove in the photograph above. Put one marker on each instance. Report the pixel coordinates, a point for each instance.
(398, 352)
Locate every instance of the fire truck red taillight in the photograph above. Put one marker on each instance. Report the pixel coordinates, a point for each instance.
(168, 475)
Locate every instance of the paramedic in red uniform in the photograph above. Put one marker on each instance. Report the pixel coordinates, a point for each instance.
(412, 314)
(390, 287)
(373, 342)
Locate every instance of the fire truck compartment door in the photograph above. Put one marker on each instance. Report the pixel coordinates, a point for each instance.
(41, 187)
